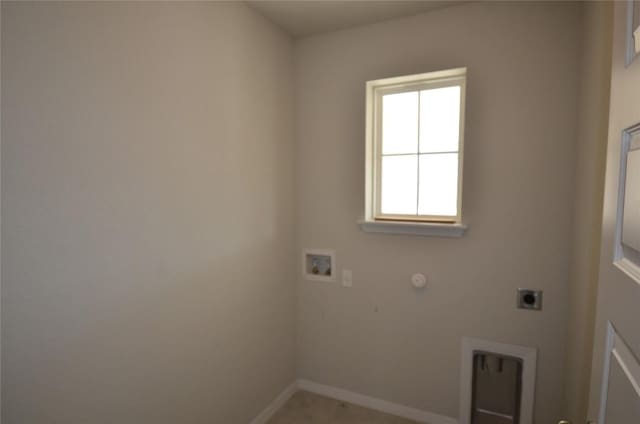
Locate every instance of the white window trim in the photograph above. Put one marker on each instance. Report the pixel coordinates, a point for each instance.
(436, 229)
(449, 226)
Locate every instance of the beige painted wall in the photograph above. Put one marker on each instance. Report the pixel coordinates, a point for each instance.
(593, 123)
(380, 337)
(147, 197)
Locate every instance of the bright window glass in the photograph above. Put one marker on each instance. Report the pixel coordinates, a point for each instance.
(400, 185)
(440, 120)
(438, 184)
(400, 123)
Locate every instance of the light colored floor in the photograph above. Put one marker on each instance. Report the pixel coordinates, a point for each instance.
(309, 408)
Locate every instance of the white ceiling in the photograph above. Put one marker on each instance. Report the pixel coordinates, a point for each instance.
(302, 18)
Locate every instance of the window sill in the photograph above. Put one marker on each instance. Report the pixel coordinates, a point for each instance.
(413, 228)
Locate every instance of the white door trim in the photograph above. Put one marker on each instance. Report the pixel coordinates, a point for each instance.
(529, 360)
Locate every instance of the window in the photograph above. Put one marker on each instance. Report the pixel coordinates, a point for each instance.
(415, 128)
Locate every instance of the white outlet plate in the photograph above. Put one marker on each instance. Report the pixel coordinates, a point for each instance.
(347, 278)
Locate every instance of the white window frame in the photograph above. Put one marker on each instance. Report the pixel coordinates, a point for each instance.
(374, 220)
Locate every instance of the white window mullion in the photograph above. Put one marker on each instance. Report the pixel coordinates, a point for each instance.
(418, 158)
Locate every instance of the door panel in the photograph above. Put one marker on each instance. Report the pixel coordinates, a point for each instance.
(620, 399)
(623, 405)
(614, 399)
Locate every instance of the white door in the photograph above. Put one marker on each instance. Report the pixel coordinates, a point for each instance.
(615, 381)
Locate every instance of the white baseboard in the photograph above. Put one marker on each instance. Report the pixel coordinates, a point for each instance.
(351, 397)
(375, 404)
(276, 404)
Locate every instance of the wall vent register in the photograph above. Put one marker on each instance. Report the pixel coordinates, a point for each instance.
(497, 387)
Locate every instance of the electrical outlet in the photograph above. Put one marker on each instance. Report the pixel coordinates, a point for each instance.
(530, 299)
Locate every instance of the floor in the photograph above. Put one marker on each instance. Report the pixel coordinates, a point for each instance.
(309, 408)
(490, 419)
